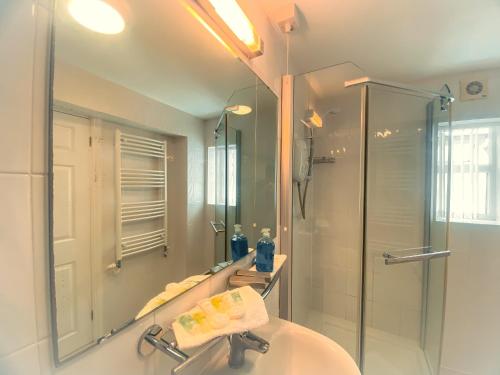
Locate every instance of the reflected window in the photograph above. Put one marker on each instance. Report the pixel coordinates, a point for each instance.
(216, 160)
(474, 170)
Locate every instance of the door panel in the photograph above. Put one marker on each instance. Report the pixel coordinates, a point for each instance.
(72, 242)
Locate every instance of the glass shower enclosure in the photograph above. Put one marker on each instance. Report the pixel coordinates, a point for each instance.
(369, 257)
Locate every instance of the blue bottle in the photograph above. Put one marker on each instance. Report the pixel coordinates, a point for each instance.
(265, 252)
(239, 244)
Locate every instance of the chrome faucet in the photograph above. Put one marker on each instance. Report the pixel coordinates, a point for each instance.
(240, 342)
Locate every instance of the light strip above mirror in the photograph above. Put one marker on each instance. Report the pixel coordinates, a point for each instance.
(227, 21)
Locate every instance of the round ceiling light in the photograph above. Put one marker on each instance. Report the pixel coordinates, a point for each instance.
(97, 15)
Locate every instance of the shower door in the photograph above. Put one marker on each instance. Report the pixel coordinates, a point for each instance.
(405, 232)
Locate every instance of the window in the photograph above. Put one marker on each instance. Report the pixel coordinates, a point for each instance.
(216, 159)
(474, 170)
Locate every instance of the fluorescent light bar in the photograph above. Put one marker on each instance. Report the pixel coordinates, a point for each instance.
(231, 24)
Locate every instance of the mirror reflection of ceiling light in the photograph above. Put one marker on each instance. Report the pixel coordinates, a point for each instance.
(97, 15)
(227, 20)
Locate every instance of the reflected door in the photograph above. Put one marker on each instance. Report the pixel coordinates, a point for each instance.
(72, 243)
(405, 245)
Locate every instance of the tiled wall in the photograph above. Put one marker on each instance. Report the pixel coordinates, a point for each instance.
(336, 264)
(25, 342)
(302, 228)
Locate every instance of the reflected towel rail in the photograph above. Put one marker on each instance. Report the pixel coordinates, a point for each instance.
(134, 179)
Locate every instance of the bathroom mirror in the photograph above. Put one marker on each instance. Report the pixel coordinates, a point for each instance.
(160, 141)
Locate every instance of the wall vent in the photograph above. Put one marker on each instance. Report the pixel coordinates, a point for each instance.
(471, 89)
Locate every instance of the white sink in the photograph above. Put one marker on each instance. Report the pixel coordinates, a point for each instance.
(294, 350)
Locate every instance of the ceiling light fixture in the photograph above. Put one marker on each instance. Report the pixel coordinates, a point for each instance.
(97, 15)
(228, 21)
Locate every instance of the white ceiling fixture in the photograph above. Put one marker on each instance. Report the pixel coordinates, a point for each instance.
(396, 40)
(473, 88)
(227, 21)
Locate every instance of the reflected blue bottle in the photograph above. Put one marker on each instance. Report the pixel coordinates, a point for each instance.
(264, 261)
(239, 244)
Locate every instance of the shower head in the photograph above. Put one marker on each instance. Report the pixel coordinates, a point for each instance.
(236, 109)
(312, 119)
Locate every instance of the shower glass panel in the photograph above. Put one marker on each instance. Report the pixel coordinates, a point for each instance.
(326, 255)
(219, 222)
(404, 287)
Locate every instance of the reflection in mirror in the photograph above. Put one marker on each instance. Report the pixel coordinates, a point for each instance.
(161, 142)
(243, 161)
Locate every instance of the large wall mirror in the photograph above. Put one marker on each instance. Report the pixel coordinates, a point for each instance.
(161, 140)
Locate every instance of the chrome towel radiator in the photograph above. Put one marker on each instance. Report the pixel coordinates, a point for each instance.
(127, 179)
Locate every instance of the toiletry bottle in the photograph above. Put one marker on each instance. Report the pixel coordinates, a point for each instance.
(265, 252)
(239, 244)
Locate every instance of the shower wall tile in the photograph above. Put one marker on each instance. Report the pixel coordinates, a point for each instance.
(39, 194)
(16, 48)
(386, 317)
(336, 280)
(39, 131)
(409, 325)
(22, 362)
(471, 338)
(351, 313)
(448, 371)
(17, 322)
(97, 360)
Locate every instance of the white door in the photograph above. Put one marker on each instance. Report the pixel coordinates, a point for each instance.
(72, 241)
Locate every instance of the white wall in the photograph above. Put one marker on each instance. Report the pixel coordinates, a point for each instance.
(471, 336)
(272, 64)
(78, 87)
(25, 342)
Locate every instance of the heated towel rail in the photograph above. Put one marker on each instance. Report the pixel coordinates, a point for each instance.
(137, 212)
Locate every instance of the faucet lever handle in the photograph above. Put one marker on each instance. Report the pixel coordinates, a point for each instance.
(263, 344)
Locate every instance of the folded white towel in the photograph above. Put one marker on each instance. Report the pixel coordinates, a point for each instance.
(255, 316)
(171, 291)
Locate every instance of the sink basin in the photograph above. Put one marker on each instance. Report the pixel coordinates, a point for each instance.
(294, 350)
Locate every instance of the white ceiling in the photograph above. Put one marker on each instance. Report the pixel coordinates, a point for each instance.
(164, 54)
(401, 40)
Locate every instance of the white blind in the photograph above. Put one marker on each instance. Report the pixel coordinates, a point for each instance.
(474, 170)
(216, 186)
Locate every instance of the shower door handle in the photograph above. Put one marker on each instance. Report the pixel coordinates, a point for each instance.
(218, 227)
(393, 259)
